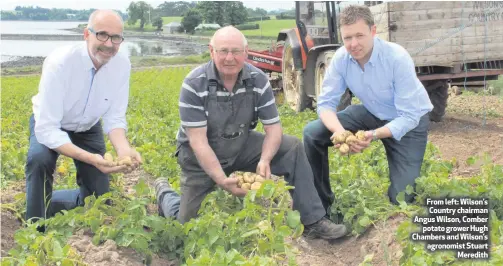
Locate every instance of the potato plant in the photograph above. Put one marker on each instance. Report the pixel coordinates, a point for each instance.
(228, 230)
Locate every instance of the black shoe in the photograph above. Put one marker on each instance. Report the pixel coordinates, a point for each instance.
(325, 229)
(162, 186)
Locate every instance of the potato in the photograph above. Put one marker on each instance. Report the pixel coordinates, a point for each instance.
(348, 133)
(351, 139)
(360, 135)
(344, 149)
(249, 178)
(248, 181)
(109, 158)
(126, 160)
(256, 185)
(339, 138)
(259, 178)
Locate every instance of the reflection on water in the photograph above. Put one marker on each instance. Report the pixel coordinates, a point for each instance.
(143, 48)
(15, 48)
(38, 27)
(159, 48)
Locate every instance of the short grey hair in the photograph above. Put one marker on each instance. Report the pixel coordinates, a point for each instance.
(97, 12)
(228, 28)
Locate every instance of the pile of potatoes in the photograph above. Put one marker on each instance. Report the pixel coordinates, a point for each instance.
(125, 160)
(347, 138)
(248, 180)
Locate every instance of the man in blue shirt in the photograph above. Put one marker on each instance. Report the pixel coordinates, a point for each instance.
(394, 108)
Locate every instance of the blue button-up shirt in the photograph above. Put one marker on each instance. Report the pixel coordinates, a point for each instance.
(388, 86)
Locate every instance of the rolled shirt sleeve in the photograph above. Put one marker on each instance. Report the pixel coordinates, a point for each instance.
(333, 86)
(115, 117)
(407, 98)
(191, 105)
(51, 99)
(266, 106)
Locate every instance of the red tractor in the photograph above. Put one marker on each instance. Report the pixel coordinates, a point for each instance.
(298, 60)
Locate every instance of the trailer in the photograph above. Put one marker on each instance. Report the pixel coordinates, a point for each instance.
(449, 41)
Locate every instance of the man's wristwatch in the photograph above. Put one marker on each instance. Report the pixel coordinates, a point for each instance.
(374, 135)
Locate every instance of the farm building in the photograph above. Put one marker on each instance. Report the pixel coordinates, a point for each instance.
(207, 27)
(171, 27)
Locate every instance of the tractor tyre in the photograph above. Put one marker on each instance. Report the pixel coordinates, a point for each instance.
(293, 82)
(322, 64)
(439, 93)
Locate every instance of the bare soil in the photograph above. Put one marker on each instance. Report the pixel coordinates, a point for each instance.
(108, 253)
(466, 132)
(379, 242)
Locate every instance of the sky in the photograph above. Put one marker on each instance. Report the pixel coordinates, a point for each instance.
(123, 4)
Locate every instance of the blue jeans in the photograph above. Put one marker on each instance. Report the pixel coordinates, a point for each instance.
(405, 157)
(40, 166)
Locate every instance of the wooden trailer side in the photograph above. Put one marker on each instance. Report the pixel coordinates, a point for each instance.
(443, 33)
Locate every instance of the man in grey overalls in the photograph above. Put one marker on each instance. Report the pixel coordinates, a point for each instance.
(220, 103)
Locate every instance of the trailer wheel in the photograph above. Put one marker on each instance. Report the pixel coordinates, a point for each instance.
(293, 82)
(438, 92)
(321, 66)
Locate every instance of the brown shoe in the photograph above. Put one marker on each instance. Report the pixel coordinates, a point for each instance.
(325, 229)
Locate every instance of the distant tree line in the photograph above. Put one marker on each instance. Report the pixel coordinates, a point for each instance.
(223, 13)
(193, 13)
(44, 14)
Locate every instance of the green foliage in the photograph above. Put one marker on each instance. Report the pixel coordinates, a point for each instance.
(43, 14)
(247, 27)
(174, 8)
(157, 22)
(252, 19)
(229, 230)
(141, 11)
(191, 20)
(223, 12)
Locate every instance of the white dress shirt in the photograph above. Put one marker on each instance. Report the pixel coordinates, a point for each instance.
(73, 98)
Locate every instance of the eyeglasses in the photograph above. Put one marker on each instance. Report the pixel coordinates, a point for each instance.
(225, 52)
(103, 36)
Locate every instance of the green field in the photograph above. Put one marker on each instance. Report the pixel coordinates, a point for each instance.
(270, 28)
(166, 20)
(229, 231)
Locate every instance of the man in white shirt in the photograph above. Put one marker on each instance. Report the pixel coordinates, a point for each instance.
(79, 86)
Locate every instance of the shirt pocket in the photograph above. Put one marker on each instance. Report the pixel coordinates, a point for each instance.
(385, 89)
(103, 106)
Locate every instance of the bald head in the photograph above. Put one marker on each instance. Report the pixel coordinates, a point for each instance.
(103, 34)
(105, 16)
(228, 32)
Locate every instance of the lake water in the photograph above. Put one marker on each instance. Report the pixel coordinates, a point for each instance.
(38, 27)
(12, 49)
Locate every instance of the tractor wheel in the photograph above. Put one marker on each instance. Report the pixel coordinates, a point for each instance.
(293, 82)
(322, 64)
(346, 99)
(438, 92)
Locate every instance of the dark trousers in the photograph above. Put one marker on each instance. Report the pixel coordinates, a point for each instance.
(405, 157)
(40, 167)
(290, 161)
